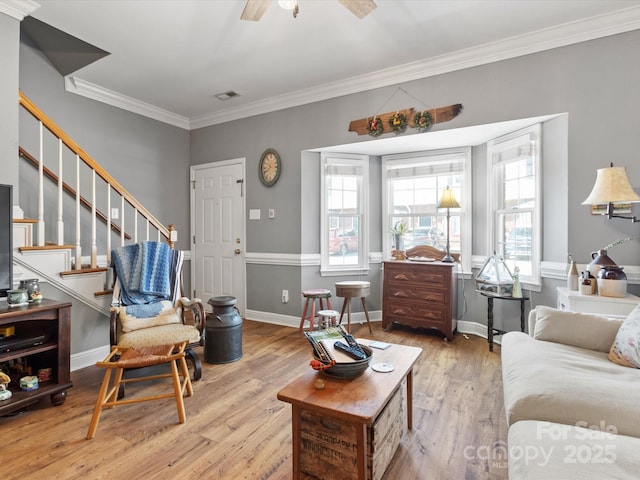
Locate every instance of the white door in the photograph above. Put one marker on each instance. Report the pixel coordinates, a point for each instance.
(217, 223)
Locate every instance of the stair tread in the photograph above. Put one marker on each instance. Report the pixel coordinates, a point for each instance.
(103, 293)
(46, 247)
(25, 220)
(83, 271)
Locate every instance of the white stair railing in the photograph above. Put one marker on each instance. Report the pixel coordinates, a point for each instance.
(89, 176)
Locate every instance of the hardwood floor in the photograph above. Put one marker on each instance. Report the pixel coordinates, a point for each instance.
(237, 429)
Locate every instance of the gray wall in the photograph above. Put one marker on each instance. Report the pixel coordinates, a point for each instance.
(149, 158)
(9, 51)
(593, 82)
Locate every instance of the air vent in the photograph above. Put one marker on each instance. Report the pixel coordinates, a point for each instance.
(226, 95)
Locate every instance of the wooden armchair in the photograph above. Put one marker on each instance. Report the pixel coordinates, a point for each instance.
(146, 320)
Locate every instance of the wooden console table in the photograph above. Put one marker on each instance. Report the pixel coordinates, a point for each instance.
(351, 428)
(52, 320)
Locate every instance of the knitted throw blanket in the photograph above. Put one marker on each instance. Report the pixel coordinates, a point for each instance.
(148, 272)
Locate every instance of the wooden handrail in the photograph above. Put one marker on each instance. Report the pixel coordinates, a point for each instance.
(70, 190)
(89, 161)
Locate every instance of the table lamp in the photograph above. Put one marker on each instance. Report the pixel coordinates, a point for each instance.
(448, 201)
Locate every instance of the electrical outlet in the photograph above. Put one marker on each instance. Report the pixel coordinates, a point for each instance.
(285, 296)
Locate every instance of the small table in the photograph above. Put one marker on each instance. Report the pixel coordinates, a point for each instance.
(348, 410)
(494, 331)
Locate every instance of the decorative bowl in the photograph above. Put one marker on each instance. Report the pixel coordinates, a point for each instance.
(17, 297)
(348, 370)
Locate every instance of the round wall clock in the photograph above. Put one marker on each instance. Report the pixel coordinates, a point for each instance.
(270, 167)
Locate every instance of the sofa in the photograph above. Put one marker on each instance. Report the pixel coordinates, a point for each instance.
(572, 396)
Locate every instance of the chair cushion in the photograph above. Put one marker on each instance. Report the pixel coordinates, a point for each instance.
(136, 317)
(626, 347)
(160, 335)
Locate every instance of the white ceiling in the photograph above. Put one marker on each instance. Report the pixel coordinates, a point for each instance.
(170, 57)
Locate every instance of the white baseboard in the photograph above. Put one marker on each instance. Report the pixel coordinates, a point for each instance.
(89, 357)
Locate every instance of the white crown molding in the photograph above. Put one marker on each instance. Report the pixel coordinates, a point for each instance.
(619, 21)
(18, 9)
(96, 92)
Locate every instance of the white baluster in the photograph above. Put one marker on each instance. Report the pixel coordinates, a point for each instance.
(109, 276)
(41, 191)
(78, 244)
(135, 225)
(122, 221)
(60, 213)
(94, 247)
(148, 229)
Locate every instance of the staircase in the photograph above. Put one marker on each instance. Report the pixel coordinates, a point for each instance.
(59, 261)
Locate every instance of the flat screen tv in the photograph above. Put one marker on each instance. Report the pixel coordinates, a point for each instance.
(6, 239)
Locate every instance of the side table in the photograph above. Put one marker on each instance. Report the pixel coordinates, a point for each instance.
(494, 331)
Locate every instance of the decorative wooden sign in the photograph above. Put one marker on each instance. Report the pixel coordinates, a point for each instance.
(438, 115)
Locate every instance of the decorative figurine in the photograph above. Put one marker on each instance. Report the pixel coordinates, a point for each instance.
(517, 288)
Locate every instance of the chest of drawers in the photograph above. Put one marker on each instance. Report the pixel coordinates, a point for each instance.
(419, 295)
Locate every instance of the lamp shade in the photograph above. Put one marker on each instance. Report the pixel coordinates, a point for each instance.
(612, 186)
(448, 200)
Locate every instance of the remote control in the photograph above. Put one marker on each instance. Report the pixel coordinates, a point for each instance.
(353, 352)
(351, 341)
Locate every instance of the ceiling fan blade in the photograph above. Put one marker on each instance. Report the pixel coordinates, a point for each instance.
(360, 8)
(254, 9)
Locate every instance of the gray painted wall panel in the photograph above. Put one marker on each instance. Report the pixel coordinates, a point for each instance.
(594, 82)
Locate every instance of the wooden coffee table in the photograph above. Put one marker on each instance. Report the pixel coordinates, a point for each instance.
(351, 428)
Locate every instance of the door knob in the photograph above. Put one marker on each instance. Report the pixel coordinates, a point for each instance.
(237, 251)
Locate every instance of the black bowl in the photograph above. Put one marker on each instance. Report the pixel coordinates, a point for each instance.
(348, 370)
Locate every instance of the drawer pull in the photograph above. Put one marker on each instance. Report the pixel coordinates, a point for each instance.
(400, 276)
(400, 311)
(401, 294)
(432, 298)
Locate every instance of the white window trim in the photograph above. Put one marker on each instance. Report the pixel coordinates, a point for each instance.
(499, 144)
(363, 251)
(466, 214)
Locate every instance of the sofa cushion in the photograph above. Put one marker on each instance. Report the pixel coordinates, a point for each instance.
(594, 332)
(626, 347)
(565, 384)
(544, 450)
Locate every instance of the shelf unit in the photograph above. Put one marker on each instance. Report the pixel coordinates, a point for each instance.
(53, 320)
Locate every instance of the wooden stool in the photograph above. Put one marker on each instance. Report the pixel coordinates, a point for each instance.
(311, 296)
(349, 290)
(136, 358)
(327, 318)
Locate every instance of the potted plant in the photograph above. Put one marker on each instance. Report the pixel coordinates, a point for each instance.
(398, 230)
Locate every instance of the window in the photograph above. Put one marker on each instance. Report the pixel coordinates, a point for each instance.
(413, 185)
(343, 226)
(514, 177)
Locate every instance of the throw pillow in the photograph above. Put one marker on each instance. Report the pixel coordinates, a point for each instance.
(626, 347)
(595, 332)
